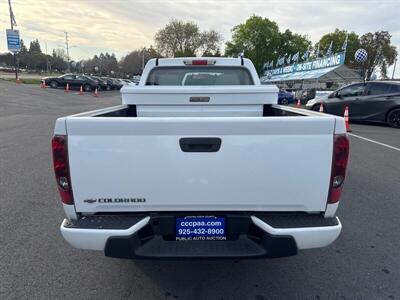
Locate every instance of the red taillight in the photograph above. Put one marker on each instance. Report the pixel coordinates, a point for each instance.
(199, 62)
(339, 164)
(59, 146)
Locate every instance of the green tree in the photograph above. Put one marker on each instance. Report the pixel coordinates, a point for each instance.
(180, 38)
(258, 37)
(23, 56)
(34, 47)
(58, 60)
(291, 43)
(337, 38)
(261, 41)
(6, 60)
(381, 53)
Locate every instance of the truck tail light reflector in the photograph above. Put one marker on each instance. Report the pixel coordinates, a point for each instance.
(199, 62)
(59, 146)
(339, 164)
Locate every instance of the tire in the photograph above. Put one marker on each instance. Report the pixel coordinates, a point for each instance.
(393, 118)
(87, 88)
(316, 107)
(284, 101)
(53, 84)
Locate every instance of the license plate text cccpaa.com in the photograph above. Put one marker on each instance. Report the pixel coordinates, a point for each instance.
(200, 228)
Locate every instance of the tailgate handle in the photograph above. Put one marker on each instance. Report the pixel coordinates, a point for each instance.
(205, 144)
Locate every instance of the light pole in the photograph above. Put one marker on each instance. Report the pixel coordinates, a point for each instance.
(394, 68)
(144, 49)
(67, 47)
(13, 22)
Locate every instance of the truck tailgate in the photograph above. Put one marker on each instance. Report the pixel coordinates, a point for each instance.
(138, 164)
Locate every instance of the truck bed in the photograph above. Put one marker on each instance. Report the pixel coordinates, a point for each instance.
(124, 160)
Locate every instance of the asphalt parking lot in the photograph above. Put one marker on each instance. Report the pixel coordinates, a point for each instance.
(36, 263)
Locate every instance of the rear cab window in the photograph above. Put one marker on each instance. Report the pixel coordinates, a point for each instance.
(199, 75)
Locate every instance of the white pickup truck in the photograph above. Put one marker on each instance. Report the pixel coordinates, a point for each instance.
(199, 161)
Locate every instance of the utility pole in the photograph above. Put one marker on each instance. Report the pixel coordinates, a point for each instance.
(47, 59)
(144, 48)
(67, 47)
(394, 68)
(13, 22)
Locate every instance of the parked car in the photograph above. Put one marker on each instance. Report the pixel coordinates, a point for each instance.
(136, 79)
(114, 85)
(74, 81)
(117, 84)
(285, 97)
(306, 95)
(128, 81)
(322, 93)
(194, 171)
(376, 101)
(122, 81)
(103, 84)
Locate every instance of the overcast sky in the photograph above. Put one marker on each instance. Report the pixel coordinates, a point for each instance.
(120, 26)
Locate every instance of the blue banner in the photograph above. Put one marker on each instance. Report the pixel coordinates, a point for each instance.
(325, 62)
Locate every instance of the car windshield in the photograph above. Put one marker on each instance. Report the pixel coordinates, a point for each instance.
(199, 76)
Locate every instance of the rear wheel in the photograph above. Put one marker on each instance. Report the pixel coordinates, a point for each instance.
(285, 101)
(87, 88)
(53, 84)
(393, 118)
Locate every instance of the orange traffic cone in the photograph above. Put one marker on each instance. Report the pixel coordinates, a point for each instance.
(67, 88)
(346, 118)
(81, 91)
(321, 108)
(42, 84)
(96, 93)
(298, 104)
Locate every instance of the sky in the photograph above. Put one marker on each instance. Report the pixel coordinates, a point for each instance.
(120, 26)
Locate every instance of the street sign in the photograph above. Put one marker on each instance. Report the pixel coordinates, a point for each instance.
(13, 40)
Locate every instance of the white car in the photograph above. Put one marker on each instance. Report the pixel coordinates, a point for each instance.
(209, 167)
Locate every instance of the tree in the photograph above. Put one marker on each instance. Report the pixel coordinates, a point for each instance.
(210, 43)
(34, 47)
(261, 41)
(381, 53)
(180, 38)
(132, 63)
(23, 56)
(291, 43)
(258, 38)
(337, 38)
(6, 59)
(58, 60)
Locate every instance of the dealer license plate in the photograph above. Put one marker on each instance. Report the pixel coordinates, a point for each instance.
(196, 228)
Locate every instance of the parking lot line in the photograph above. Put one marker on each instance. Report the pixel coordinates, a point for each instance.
(375, 142)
